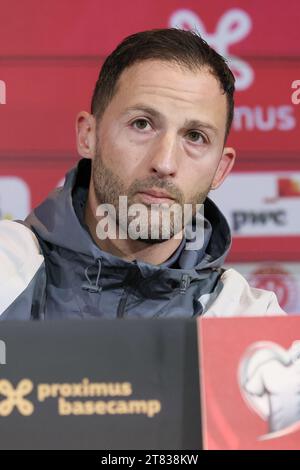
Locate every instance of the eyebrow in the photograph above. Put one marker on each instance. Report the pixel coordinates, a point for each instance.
(192, 123)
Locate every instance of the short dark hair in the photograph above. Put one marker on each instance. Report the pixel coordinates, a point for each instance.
(185, 48)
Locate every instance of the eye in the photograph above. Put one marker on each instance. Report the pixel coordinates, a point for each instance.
(140, 124)
(197, 137)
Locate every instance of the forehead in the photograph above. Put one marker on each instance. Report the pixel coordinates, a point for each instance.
(172, 88)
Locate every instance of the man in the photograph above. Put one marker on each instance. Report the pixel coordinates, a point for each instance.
(161, 113)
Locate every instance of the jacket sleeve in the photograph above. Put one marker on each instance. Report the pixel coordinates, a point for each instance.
(21, 263)
(233, 296)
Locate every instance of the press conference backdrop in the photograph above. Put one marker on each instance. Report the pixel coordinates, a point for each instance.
(51, 53)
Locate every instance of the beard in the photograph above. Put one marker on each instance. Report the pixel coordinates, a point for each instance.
(156, 224)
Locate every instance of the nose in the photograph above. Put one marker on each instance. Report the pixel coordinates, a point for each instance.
(164, 161)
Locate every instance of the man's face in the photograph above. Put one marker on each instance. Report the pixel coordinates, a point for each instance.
(163, 132)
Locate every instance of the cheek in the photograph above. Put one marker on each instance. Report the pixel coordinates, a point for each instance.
(119, 153)
(198, 177)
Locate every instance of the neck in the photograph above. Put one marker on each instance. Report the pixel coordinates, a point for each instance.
(129, 249)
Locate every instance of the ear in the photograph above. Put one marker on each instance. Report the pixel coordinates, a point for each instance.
(86, 134)
(225, 166)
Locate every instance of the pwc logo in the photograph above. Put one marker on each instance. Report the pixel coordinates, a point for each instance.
(14, 397)
(232, 27)
(286, 187)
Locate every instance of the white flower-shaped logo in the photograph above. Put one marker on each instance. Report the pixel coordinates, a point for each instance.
(231, 28)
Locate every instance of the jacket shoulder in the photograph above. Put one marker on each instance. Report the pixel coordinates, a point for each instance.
(20, 259)
(233, 296)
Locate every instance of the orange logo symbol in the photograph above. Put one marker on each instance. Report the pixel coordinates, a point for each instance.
(15, 397)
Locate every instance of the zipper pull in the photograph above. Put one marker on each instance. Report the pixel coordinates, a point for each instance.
(184, 284)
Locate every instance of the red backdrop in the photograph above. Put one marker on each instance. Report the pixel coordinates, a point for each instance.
(51, 53)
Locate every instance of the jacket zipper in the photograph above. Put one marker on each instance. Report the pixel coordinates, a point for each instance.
(122, 303)
(125, 294)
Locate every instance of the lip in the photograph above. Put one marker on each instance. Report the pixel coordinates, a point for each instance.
(156, 196)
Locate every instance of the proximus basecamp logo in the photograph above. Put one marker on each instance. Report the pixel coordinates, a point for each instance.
(84, 398)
